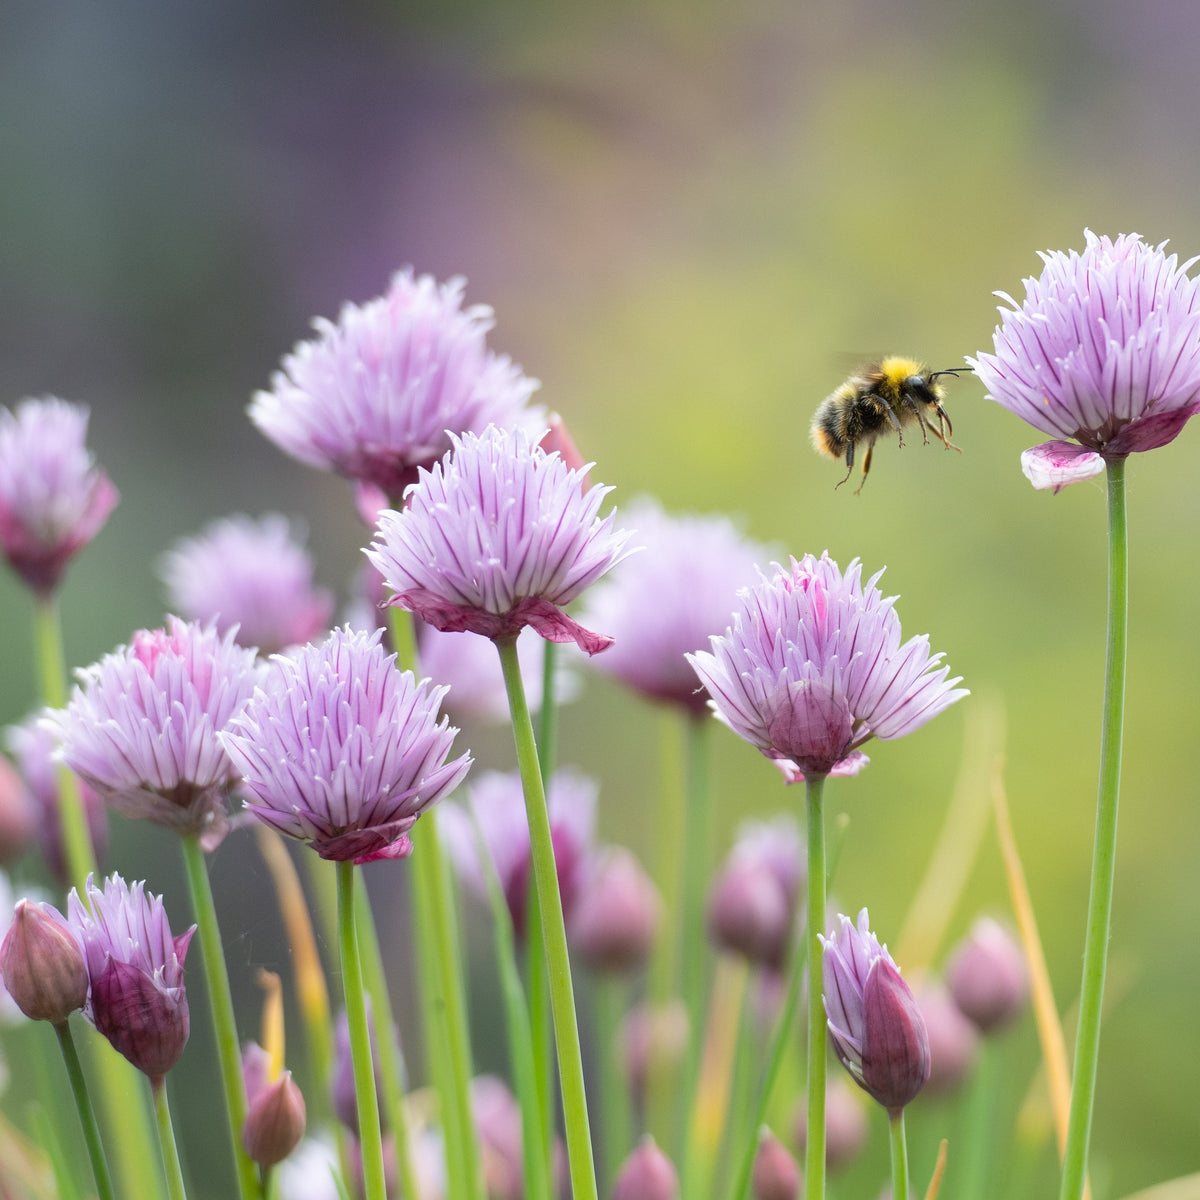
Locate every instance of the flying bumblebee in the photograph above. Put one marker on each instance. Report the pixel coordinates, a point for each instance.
(893, 392)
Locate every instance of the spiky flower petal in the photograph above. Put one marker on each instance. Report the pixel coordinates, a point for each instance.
(1104, 350)
(53, 497)
(135, 968)
(813, 667)
(499, 535)
(340, 749)
(373, 395)
(141, 726)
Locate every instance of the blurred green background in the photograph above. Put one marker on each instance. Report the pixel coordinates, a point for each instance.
(690, 218)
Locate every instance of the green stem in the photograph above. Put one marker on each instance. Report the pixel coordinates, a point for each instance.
(1095, 952)
(899, 1154)
(166, 1140)
(977, 1126)
(87, 1118)
(220, 1001)
(76, 838)
(390, 1067)
(612, 1000)
(562, 997)
(814, 1156)
(696, 850)
(370, 1138)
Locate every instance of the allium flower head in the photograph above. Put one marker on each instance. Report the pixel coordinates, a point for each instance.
(497, 806)
(340, 749)
(654, 618)
(1104, 350)
(141, 726)
(499, 535)
(135, 968)
(813, 667)
(877, 1029)
(41, 963)
(373, 395)
(255, 575)
(53, 497)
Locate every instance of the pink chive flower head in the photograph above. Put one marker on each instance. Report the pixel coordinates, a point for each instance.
(373, 395)
(874, 1021)
(53, 497)
(141, 726)
(813, 667)
(252, 574)
(497, 806)
(498, 536)
(341, 750)
(135, 970)
(654, 618)
(1103, 355)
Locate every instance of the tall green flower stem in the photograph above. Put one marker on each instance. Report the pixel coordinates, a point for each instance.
(166, 1140)
(558, 965)
(1104, 855)
(814, 1155)
(440, 979)
(220, 1002)
(975, 1135)
(375, 981)
(899, 1154)
(87, 1118)
(370, 1137)
(127, 1123)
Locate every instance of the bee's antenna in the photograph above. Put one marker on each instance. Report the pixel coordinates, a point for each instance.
(955, 371)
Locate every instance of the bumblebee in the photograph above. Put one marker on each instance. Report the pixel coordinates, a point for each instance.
(891, 393)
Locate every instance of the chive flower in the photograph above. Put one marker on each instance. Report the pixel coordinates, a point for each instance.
(376, 394)
(497, 536)
(1103, 354)
(341, 750)
(654, 620)
(53, 497)
(813, 667)
(141, 726)
(136, 996)
(254, 575)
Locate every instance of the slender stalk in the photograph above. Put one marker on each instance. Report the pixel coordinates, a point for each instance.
(389, 1055)
(611, 1001)
(370, 1138)
(1095, 951)
(814, 1156)
(87, 1118)
(562, 996)
(697, 839)
(975, 1135)
(899, 1154)
(166, 1140)
(220, 1001)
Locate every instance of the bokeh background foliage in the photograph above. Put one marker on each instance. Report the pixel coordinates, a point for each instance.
(690, 218)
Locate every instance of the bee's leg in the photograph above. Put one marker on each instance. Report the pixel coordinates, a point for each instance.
(849, 464)
(866, 466)
(895, 423)
(945, 430)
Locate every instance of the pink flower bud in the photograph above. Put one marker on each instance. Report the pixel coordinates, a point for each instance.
(616, 914)
(987, 976)
(776, 1173)
(42, 964)
(648, 1174)
(275, 1123)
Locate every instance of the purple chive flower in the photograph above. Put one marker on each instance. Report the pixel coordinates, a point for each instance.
(499, 535)
(135, 968)
(53, 497)
(255, 575)
(497, 805)
(616, 913)
(813, 667)
(1105, 351)
(655, 621)
(373, 396)
(141, 726)
(340, 749)
(876, 1026)
(988, 977)
(41, 963)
